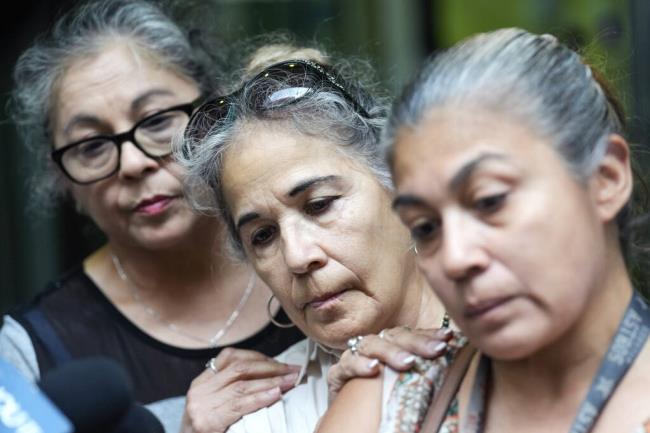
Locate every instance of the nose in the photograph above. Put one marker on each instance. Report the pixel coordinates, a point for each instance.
(301, 249)
(134, 163)
(462, 253)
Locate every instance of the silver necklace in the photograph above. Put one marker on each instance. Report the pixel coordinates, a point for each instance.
(213, 342)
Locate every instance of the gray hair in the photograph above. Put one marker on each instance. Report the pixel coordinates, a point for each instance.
(534, 78)
(82, 32)
(322, 112)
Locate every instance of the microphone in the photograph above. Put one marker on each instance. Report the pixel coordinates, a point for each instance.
(139, 420)
(96, 395)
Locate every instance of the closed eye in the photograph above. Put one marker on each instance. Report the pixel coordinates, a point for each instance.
(320, 205)
(490, 204)
(424, 230)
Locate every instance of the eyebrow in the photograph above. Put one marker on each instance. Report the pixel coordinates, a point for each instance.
(302, 186)
(136, 105)
(311, 182)
(246, 218)
(466, 171)
(456, 181)
(407, 200)
(141, 100)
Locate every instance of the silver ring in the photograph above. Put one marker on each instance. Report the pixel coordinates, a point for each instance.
(210, 364)
(353, 344)
(382, 333)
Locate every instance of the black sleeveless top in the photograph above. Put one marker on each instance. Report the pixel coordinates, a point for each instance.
(72, 319)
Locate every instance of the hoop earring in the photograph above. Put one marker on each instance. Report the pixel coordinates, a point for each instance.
(272, 319)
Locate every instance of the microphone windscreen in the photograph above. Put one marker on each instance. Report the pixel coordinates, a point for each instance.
(139, 419)
(94, 393)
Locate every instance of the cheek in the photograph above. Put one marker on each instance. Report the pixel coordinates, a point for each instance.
(274, 274)
(175, 170)
(438, 283)
(87, 199)
(547, 253)
(96, 201)
(374, 245)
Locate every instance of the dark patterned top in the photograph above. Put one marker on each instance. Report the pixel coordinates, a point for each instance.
(88, 324)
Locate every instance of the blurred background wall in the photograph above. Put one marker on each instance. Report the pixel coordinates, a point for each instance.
(394, 35)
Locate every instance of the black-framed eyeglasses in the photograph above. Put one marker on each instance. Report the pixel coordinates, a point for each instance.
(95, 158)
(290, 80)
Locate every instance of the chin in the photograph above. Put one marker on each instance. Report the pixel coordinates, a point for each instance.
(172, 233)
(336, 334)
(503, 347)
(161, 239)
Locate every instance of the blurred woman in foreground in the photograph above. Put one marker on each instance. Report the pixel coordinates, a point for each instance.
(513, 177)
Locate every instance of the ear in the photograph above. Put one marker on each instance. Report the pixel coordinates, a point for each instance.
(611, 183)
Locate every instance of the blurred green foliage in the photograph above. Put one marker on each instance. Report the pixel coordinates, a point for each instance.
(599, 29)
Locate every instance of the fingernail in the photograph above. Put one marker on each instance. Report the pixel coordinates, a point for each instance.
(406, 358)
(274, 392)
(436, 347)
(445, 332)
(372, 364)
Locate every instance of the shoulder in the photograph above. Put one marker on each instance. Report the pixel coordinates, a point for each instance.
(419, 385)
(67, 287)
(64, 302)
(18, 339)
(300, 408)
(296, 353)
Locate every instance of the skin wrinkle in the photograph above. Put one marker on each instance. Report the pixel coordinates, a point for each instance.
(343, 240)
(92, 87)
(505, 273)
(562, 244)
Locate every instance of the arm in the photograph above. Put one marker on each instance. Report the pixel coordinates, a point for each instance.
(356, 409)
(17, 348)
(362, 404)
(396, 348)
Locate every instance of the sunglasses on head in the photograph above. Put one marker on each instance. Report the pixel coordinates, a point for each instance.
(279, 85)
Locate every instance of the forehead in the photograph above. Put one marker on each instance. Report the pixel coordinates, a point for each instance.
(114, 76)
(446, 139)
(272, 158)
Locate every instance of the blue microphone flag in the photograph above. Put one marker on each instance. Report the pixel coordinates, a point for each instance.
(24, 408)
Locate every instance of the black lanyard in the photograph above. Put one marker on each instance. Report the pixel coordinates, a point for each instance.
(626, 345)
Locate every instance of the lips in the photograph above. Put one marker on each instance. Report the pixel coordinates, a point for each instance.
(325, 300)
(477, 309)
(154, 205)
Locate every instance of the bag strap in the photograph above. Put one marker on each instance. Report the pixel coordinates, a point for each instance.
(438, 409)
(45, 332)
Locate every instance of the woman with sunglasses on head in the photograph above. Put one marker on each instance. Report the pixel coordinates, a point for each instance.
(105, 93)
(513, 176)
(292, 157)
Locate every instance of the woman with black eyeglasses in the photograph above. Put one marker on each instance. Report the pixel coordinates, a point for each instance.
(99, 101)
(293, 159)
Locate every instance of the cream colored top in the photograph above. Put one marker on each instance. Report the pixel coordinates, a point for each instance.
(301, 407)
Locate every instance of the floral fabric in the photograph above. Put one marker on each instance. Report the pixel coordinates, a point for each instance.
(409, 393)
